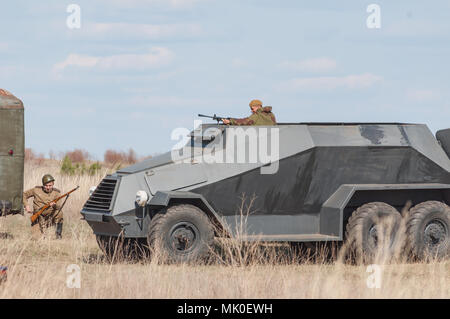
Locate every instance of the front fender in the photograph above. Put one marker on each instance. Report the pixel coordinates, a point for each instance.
(163, 199)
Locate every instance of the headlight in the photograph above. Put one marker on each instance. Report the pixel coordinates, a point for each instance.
(92, 190)
(141, 198)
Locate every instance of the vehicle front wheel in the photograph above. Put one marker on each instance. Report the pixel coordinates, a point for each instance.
(181, 233)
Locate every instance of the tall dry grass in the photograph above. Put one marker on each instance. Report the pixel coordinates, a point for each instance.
(38, 269)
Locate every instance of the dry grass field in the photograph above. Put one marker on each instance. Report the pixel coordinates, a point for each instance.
(38, 269)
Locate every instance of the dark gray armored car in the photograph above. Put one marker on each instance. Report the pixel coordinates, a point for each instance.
(304, 182)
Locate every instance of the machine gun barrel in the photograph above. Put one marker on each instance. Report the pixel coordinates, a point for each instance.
(215, 117)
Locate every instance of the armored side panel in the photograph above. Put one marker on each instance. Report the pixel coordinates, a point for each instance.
(443, 136)
(11, 152)
(315, 160)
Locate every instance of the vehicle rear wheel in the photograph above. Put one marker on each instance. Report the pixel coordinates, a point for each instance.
(372, 233)
(428, 230)
(181, 233)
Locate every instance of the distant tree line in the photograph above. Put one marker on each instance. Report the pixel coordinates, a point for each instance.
(79, 161)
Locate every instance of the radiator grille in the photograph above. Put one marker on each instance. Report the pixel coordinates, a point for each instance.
(101, 198)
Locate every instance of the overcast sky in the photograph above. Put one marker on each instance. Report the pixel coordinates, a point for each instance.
(136, 70)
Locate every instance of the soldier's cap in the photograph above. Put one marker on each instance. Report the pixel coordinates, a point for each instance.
(255, 103)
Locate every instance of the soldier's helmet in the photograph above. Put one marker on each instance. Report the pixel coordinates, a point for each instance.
(47, 179)
(255, 103)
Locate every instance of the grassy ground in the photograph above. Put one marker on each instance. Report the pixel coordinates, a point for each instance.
(39, 269)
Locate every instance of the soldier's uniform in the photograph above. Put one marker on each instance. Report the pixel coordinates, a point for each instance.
(50, 216)
(263, 116)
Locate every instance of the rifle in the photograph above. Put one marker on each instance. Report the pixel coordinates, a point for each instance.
(40, 211)
(215, 117)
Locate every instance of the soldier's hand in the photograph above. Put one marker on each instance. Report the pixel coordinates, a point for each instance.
(225, 121)
(28, 209)
(53, 204)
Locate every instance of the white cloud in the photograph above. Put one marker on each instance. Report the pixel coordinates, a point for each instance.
(330, 82)
(422, 95)
(146, 31)
(157, 57)
(310, 65)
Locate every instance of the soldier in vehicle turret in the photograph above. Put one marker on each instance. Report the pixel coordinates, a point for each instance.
(261, 116)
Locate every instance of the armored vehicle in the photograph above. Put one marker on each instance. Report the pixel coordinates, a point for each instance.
(11, 153)
(293, 182)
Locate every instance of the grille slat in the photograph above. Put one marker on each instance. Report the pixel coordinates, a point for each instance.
(96, 201)
(105, 193)
(101, 198)
(96, 206)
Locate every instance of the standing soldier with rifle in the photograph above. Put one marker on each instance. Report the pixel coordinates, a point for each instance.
(45, 195)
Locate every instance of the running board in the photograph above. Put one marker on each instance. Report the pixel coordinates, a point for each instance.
(289, 237)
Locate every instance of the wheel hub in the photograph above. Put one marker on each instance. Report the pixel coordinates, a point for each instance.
(435, 234)
(373, 236)
(380, 233)
(183, 236)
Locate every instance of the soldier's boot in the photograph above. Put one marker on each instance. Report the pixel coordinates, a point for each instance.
(59, 227)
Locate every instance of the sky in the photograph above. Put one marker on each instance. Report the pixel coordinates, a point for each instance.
(135, 70)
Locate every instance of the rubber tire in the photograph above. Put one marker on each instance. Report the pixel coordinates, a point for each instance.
(419, 217)
(159, 237)
(358, 228)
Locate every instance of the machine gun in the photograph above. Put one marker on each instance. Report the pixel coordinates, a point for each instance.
(215, 117)
(39, 212)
